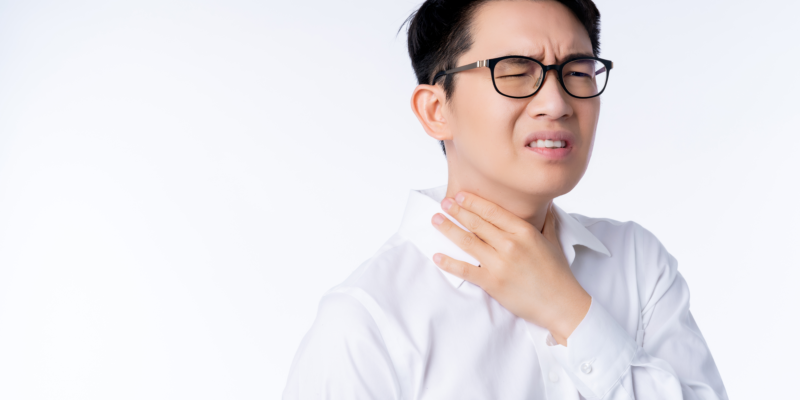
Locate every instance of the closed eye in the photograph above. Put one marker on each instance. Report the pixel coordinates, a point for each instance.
(579, 74)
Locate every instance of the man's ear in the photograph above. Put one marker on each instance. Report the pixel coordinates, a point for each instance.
(428, 105)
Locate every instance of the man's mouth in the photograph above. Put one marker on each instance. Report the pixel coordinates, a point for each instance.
(561, 139)
(548, 144)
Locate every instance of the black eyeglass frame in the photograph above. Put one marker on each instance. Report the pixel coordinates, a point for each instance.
(491, 62)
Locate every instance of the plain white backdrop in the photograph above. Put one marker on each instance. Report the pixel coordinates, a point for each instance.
(180, 181)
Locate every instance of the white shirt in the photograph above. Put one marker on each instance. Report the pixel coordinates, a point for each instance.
(399, 327)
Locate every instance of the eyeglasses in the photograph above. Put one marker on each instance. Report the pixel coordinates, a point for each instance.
(520, 77)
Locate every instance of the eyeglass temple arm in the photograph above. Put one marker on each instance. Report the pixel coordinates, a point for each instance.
(477, 64)
(610, 65)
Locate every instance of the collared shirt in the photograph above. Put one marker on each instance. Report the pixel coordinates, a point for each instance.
(399, 327)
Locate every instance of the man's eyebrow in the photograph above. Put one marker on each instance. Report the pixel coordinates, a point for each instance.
(577, 55)
(569, 56)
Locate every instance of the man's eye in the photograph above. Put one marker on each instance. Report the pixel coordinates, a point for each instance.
(512, 76)
(579, 74)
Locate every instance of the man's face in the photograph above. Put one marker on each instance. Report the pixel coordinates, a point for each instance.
(490, 130)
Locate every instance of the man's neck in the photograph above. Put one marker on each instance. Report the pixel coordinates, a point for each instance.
(531, 208)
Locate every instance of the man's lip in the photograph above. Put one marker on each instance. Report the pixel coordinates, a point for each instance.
(566, 136)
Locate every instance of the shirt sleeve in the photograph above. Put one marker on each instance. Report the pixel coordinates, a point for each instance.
(674, 362)
(342, 356)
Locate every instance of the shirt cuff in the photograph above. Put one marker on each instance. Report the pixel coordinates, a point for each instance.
(598, 352)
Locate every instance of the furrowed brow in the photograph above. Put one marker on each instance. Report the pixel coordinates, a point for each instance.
(570, 56)
(573, 56)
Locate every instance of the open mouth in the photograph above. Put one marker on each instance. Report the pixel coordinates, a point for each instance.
(548, 144)
(552, 145)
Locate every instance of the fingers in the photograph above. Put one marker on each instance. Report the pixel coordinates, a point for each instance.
(467, 241)
(492, 213)
(461, 269)
(473, 223)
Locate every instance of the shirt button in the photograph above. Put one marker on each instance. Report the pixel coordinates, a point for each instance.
(586, 368)
(553, 376)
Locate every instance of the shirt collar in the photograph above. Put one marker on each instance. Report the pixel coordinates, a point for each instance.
(423, 204)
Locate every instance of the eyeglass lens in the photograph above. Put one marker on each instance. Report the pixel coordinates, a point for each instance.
(520, 77)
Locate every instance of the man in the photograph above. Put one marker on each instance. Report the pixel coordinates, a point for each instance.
(489, 290)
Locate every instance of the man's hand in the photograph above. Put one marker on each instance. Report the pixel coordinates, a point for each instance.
(523, 269)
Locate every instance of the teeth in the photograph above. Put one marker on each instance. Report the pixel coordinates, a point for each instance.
(550, 144)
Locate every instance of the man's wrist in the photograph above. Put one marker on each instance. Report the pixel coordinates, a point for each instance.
(564, 324)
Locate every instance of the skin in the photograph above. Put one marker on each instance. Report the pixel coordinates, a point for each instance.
(498, 189)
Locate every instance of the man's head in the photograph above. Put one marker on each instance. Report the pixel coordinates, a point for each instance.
(484, 133)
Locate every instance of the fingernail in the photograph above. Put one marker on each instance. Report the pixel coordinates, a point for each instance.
(459, 198)
(438, 219)
(446, 204)
(437, 258)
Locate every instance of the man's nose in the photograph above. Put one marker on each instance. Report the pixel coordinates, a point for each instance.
(551, 101)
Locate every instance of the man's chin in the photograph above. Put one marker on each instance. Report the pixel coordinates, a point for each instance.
(550, 187)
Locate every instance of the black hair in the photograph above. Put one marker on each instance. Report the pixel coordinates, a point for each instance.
(439, 33)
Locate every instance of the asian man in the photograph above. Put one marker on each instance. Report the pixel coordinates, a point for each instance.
(489, 290)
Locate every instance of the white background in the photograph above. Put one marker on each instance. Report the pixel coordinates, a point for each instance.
(181, 181)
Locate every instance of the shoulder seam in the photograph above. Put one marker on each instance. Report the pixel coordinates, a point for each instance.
(376, 314)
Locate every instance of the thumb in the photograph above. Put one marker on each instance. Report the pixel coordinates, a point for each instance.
(549, 229)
